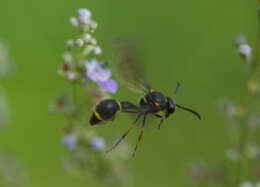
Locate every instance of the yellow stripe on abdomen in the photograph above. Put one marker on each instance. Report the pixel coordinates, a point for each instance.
(98, 115)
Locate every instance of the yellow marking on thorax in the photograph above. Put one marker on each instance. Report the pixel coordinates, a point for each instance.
(151, 90)
(98, 115)
(156, 104)
(145, 100)
(120, 106)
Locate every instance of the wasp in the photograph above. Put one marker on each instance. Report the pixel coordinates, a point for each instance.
(152, 102)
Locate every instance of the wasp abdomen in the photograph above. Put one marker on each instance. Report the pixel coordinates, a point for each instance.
(104, 111)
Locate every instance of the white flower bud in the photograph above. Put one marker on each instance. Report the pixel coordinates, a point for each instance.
(93, 41)
(74, 22)
(97, 50)
(71, 76)
(67, 57)
(245, 51)
(70, 43)
(80, 42)
(93, 25)
(87, 38)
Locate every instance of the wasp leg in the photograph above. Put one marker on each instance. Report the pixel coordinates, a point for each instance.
(160, 124)
(140, 135)
(125, 134)
(158, 116)
(161, 121)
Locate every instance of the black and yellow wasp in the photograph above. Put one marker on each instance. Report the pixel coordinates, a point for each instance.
(153, 102)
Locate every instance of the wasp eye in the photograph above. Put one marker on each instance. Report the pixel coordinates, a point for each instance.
(171, 105)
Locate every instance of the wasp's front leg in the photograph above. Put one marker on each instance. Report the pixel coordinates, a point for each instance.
(161, 121)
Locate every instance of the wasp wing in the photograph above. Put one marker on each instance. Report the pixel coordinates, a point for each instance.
(125, 60)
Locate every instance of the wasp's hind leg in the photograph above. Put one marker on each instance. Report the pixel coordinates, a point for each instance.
(125, 133)
(140, 135)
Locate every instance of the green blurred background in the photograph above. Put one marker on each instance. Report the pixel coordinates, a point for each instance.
(186, 41)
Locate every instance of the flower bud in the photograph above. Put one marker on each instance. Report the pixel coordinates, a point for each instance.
(79, 42)
(74, 22)
(245, 51)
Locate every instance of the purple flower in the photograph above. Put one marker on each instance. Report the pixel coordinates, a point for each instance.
(69, 141)
(109, 85)
(96, 73)
(98, 143)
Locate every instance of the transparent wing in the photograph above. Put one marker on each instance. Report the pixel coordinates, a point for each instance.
(125, 63)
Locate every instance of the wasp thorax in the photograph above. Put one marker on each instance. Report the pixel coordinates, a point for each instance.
(156, 98)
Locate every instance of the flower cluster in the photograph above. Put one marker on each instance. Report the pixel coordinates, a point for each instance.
(79, 61)
(87, 157)
(83, 21)
(11, 172)
(243, 120)
(91, 81)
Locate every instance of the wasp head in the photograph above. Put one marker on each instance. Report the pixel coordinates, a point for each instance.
(170, 106)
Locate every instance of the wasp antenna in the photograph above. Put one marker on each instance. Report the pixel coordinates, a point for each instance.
(176, 89)
(189, 110)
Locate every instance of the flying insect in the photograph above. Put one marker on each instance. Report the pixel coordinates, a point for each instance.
(152, 103)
